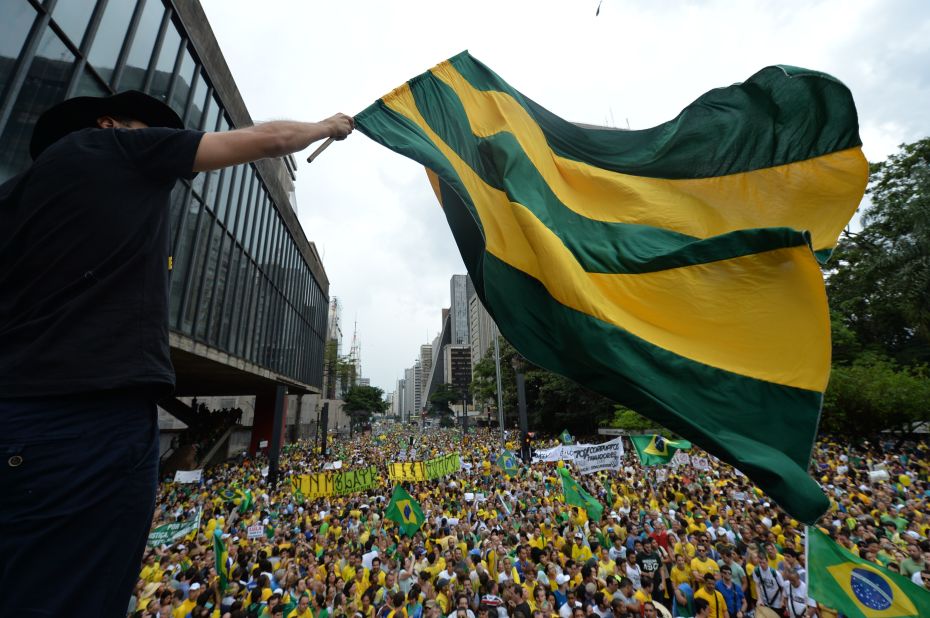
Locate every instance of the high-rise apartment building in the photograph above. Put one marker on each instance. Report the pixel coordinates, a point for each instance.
(481, 329)
(458, 308)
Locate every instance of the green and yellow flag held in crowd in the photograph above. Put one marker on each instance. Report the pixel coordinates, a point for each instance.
(221, 555)
(672, 269)
(508, 462)
(654, 450)
(404, 511)
(575, 495)
(858, 588)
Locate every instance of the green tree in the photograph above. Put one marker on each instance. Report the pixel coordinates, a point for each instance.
(363, 401)
(444, 395)
(627, 419)
(879, 278)
(875, 394)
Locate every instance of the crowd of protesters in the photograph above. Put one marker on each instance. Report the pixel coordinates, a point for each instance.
(681, 543)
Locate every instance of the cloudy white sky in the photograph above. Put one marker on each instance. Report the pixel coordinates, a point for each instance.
(385, 243)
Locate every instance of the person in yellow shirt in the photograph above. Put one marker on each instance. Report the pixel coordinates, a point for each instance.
(645, 592)
(189, 603)
(605, 566)
(680, 573)
(701, 565)
(717, 606)
(303, 608)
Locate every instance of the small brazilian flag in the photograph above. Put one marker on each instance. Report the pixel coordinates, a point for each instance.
(507, 462)
(655, 450)
(566, 437)
(222, 558)
(405, 511)
(858, 588)
(245, 500)
(672, 269)
(575, 495)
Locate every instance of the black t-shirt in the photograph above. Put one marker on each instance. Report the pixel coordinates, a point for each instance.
(649, 562)
(84, 263)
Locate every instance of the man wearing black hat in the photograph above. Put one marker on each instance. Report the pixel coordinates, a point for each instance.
(84, 350)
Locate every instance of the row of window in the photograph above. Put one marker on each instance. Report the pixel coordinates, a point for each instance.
(239, 281)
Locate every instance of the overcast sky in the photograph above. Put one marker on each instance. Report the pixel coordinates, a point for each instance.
(385, 244)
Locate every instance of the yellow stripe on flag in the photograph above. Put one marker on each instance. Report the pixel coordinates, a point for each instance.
(729, 314)
(817, 195)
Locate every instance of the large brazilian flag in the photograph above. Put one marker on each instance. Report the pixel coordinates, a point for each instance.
(672, 269)
(858, 588)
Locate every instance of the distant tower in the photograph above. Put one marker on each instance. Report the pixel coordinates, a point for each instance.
(355, 352)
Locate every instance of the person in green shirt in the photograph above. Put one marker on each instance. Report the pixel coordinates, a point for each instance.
(914, 563)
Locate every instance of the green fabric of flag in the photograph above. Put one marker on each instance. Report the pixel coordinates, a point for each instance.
(566, 437)
(858, 588)
(221, 555)
(404, 511)
(245, 500)
(508, 462)
(655, 450)
(575, 495)
(673, 269)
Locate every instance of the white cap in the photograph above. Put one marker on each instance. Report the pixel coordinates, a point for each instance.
(562, 579)
(578, 535)
(181, 548)
(195, 586)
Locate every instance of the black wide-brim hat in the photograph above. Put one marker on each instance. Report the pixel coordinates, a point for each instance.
(82, 112)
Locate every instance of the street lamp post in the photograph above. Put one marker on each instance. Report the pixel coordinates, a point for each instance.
(500, 393)
(519, 366)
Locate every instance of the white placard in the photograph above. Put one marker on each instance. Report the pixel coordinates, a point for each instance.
(263, 444)
(256, 531)
(188, 476)
(589, 458)
(700, 463)
(661, 475)
(680, 458)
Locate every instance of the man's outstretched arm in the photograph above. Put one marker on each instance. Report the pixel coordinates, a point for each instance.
(269, 139)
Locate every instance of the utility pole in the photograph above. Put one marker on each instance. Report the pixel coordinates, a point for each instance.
(519, 366)
(500, 393)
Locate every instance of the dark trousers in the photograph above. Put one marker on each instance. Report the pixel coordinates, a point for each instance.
(77, 492)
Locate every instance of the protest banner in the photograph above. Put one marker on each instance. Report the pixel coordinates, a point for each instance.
(680, 458)
(255, 531)
(188, 476)
(428, 470)
(169, 533)
(588, 458)
(661, 475)
(700, 463)
(358, 479)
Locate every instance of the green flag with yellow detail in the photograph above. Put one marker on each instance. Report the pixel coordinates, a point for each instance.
(404, 511)
(656, 450)
(673, 269)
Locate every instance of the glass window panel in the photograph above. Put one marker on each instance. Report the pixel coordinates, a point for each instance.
(182, 259)
(45, 84)
(164, 66)
(205, 298)
(239, 297)
(248, 236)
(108, 40)
(229, 299)
(263, 232)
(72, 17)
(211, 115)
(140, 52)
(89, 85)
(199, 256)
(198, 103)
(222, 272)
(182, 82)
(222, 191)
(17, 21)
(244, 210)
(253, 314)
(232, 214)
